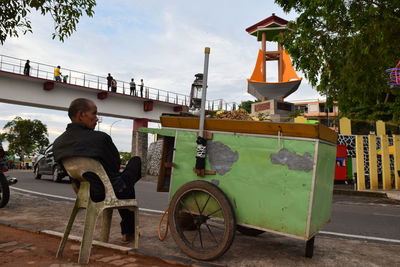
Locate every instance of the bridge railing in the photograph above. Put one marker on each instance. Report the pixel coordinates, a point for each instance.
(220, 104)
(45, 71)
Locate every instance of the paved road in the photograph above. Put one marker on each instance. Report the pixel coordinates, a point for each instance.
(367, 216)
(146, 192)
(374, 217)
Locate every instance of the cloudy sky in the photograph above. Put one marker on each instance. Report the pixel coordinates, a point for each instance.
(161, 42)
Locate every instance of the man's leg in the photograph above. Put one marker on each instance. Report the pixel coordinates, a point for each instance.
(132, 172)
(130, 175)
(127, 222)
(127, 216)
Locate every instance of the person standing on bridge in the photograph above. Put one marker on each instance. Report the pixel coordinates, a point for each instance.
(132, 85)
(141, 87)
(114, 85)
(27, 68)
(57, 74)
(82, 140)
(109, 81)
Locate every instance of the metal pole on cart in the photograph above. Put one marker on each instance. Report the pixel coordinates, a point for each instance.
(204, 92)
(201, 141)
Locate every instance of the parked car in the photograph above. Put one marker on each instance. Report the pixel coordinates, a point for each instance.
(46, 165)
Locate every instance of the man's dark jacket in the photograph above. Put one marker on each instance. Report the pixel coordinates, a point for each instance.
(80, 141)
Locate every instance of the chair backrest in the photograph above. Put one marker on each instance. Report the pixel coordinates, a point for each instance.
(76, 167)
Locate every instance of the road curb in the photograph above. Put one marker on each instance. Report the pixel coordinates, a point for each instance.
(359, 237)
(121, 249)
(360, 193)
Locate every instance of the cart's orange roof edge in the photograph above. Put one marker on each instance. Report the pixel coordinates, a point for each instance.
(316, 131)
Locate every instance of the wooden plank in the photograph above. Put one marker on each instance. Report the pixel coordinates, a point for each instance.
(385, 163)
(165, 166)
(206, 172)
(169, 165)
(316, 131)
(373, 162)
(162, 172)
(360, 162)
(325, 133)
(208, 135)
(396, 154)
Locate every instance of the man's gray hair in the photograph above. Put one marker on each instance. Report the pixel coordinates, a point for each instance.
(79, 104)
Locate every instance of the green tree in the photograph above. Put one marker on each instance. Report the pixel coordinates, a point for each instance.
(14, 16)
(246, 105)
(26, 137)
(344, 48)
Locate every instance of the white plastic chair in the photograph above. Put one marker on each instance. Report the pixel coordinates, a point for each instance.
(76, 167)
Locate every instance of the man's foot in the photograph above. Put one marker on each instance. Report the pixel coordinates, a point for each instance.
(127, 238)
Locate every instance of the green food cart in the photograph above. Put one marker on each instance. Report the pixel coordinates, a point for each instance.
(259, 176)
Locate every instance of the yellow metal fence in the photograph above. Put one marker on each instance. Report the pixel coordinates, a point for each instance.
(390, 177)
(368, 155)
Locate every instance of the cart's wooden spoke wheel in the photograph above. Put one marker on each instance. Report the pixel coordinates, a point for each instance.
(202, 221)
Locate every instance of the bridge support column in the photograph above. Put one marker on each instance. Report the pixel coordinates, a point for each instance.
(140, 142)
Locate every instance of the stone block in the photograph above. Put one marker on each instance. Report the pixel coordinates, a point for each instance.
(120, 262)
(110, 258)
(8, 244)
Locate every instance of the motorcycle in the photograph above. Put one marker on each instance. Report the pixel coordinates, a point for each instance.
(5, 181)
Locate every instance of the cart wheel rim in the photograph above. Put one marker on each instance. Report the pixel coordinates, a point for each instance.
(202, 219)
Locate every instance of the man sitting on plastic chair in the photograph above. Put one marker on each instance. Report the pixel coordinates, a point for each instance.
(81, 140)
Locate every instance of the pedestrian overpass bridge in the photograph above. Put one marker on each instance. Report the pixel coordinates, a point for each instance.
(37, 92)
(38, 89)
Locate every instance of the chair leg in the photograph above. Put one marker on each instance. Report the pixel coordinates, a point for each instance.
(106, 225)
(136, 211)
(68, 230)
(87, 238)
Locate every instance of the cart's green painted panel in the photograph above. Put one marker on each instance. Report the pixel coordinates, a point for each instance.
(164, 132)
(263, 193)
(322, 200)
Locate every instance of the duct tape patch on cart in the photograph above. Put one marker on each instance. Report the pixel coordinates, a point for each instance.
(221, 157)
(294, 161)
